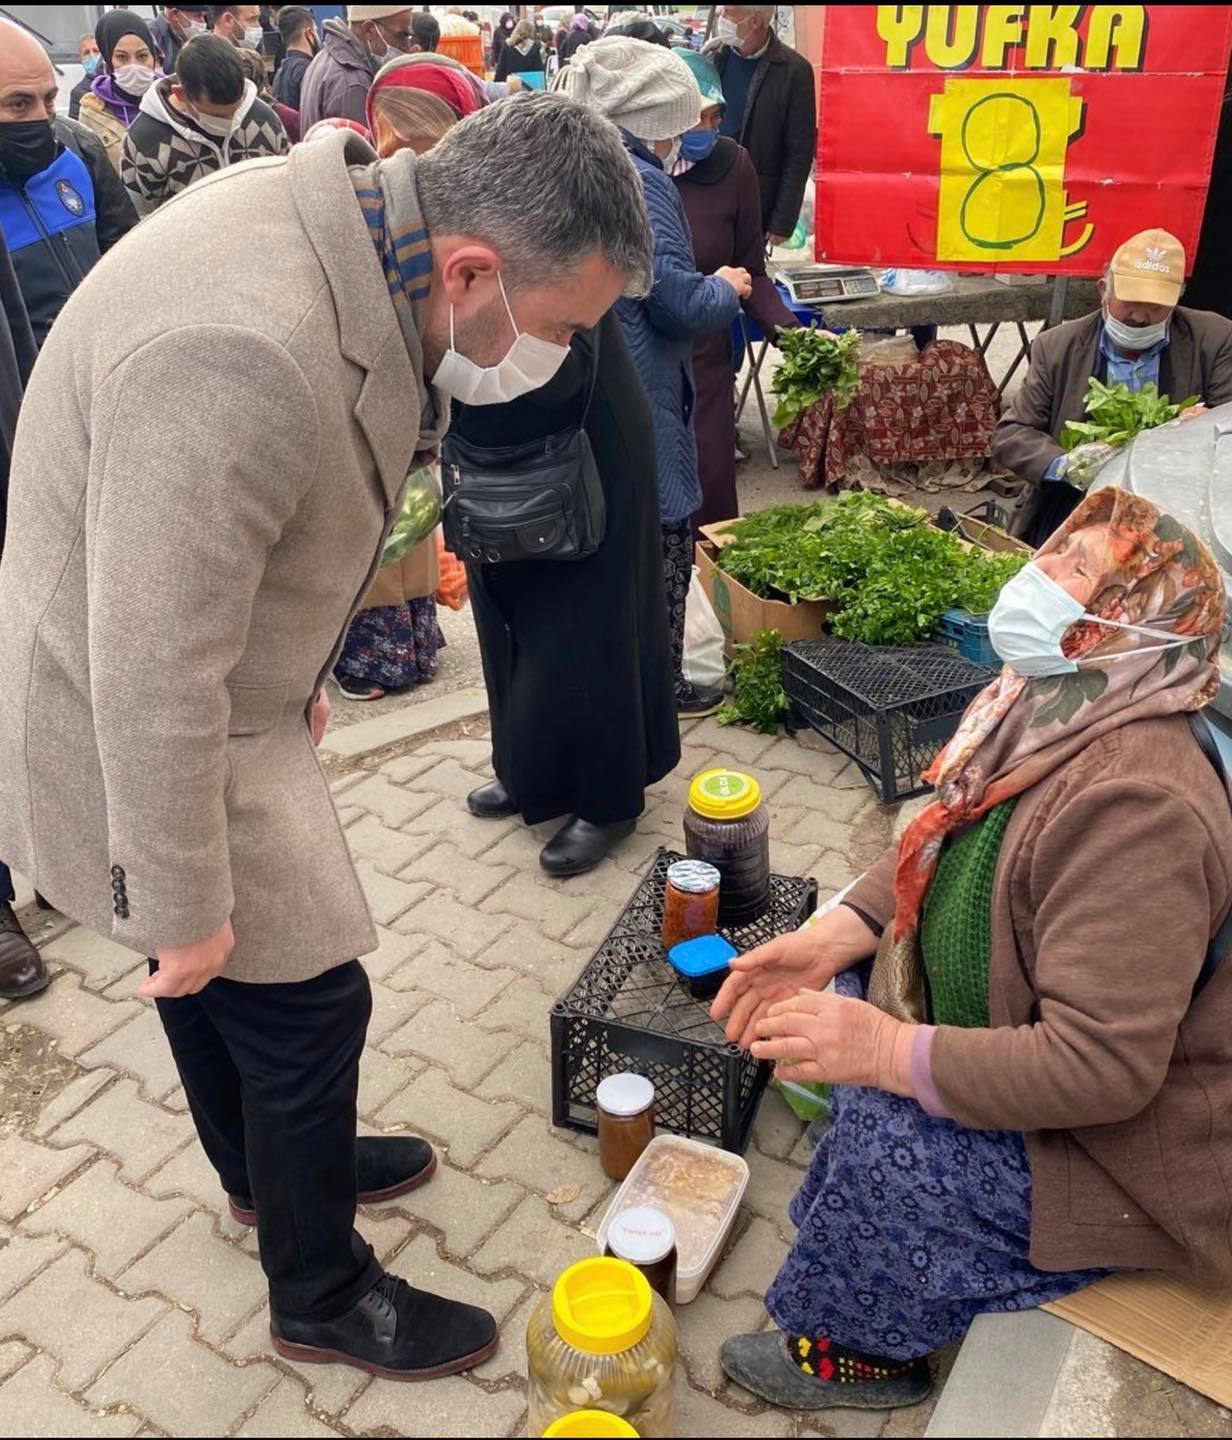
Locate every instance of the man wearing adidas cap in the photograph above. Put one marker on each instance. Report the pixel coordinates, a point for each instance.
(1140, 335)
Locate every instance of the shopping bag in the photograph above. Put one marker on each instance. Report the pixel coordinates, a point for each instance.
(704, 665)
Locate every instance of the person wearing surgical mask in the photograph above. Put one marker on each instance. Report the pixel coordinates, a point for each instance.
(1141, 335)
(1027, 998)
(718, 184)
(652, 96)
(240, 24)
(770, 92)
(91, 60)
(174, 28)
(128, 67)
(204, 117)
(337, 81)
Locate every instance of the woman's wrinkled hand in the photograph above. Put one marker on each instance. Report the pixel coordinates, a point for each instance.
(773, 972)
(817, 1035)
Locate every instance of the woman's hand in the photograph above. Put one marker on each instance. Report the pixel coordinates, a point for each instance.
(807, 959)
(818, 1035)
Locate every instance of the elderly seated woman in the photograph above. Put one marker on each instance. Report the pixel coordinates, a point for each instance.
(1032, 1084)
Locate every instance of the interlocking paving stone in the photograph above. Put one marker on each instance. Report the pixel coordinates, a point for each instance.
(28, 1170)
(32, 1404)
(141, 1136)
(457, 1121)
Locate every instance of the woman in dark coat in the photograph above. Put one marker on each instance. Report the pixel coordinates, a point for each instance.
(521, 53)
(718, 185)
(576, 654)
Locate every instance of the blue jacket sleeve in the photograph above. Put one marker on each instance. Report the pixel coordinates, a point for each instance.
(683, 302)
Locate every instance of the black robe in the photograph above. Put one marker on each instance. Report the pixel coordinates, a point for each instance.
(577, 655)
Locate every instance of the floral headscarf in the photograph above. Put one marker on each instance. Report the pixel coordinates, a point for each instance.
(1122, 559)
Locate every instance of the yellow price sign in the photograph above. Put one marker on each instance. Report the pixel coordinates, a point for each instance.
(1003, 150)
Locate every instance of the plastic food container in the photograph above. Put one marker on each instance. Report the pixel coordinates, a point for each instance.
(602, 1340)
(727, 826)
(590, 1425)
(703, 963)
(699, 1189)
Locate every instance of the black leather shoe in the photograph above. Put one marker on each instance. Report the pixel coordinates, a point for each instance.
(491, 802)
(385, 1166)
(694, 702)
(580, 846)
(22, 972)
(394, 1331)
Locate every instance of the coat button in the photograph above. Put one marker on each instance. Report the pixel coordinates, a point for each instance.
(118, 886)
(117, 872)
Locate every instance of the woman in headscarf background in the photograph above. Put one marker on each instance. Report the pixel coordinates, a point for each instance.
(500, 35)
(718, 184)
(1040, 1090)
(650, 94)
(522, 55)
(394, 639)
(129, 66)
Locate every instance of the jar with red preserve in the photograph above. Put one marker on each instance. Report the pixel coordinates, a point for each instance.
(690, 902)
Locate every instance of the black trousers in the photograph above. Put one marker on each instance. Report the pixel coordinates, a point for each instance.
(678, 575)
(272, 1075)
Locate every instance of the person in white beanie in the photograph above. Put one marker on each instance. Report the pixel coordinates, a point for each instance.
(651, 95)
(337, 81)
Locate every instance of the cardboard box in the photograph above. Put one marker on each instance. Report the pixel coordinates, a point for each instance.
(741, 613)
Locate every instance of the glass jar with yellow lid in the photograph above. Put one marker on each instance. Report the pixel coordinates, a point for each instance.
(727, 826)
(602, 1340)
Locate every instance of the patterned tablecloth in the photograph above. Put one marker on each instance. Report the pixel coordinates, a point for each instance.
(926, 425)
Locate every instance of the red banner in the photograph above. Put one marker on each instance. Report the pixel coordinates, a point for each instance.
(1015, 137)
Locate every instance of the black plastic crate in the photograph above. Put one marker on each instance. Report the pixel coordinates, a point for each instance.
(891, 708)
(629, 1011)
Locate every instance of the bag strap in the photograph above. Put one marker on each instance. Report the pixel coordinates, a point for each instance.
(594, 375)
(1222, 942)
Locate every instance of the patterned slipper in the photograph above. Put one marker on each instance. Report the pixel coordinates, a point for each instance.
(375, 693)
(760, 1364)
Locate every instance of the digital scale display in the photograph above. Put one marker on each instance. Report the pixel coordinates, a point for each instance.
(823, 284)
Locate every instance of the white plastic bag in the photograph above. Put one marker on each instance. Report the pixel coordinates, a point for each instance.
(917, 282)
(704, 665)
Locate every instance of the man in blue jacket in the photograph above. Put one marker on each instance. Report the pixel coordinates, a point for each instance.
(61, 203)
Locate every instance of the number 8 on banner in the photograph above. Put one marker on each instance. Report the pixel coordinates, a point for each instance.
(1002, 186)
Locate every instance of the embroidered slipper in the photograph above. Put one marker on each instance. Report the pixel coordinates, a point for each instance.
(761, 1364)
(375, 693)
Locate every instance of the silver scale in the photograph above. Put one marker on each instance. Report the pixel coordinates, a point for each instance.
(818, 284)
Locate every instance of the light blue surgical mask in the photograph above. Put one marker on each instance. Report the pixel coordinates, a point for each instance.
(1032, 614)
(1134, 337)
(91, 63)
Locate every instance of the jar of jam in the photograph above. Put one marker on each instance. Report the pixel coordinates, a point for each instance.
(727, 826)
(626, 1122)
(646, 1238)
(690, 903)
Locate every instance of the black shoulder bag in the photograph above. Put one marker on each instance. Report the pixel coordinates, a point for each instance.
(541, 500)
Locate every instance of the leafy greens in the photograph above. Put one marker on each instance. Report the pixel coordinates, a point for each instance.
(758, 698)
(815, 363)
(1119, 413)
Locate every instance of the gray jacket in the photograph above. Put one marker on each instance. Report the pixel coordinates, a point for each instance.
(172, 609)
(337, 82)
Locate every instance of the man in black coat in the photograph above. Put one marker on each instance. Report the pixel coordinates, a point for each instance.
(770, 108)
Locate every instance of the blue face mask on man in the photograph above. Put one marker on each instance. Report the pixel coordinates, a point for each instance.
(695, 145)
(91, 63)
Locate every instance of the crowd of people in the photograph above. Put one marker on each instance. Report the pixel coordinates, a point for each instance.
(539, 289)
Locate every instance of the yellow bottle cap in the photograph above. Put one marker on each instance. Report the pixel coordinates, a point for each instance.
(602, 1306)
(585, 1424)
(724, 794)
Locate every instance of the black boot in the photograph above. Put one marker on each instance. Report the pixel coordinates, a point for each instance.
(22, 972)
(694, 702)
(761, 1364)
(386, 1166)
(491, 802)
(580, 846)
(394, 1331)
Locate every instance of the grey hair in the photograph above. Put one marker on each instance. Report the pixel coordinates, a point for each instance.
(547, 183)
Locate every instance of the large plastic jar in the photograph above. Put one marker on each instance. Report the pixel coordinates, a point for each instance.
(727, 826)
(602, 1340)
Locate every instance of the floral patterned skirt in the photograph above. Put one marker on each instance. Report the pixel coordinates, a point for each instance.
(393, 646)
(910, 1226)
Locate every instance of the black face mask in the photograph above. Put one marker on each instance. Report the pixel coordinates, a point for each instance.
(26, 147)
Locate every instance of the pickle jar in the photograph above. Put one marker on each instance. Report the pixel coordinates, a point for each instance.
(626, 1122)
(690, 902)
(727, 826)
(590, 1425)
(602, 1340)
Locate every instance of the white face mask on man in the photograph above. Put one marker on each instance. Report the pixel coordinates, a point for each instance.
(528, 365)
(1032, 614)
(1134, 338)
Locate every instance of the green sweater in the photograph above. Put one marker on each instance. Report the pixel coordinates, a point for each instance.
(956, 932)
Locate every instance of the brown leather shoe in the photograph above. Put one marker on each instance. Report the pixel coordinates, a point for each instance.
(22, 971)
